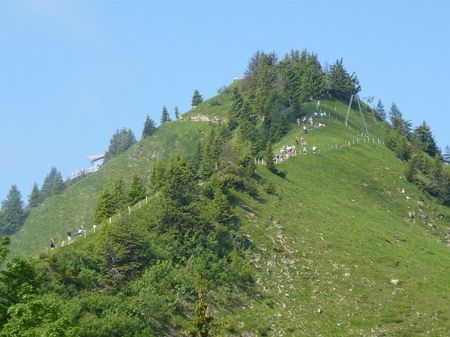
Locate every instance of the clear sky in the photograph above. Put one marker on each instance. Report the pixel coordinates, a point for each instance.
(74, 71)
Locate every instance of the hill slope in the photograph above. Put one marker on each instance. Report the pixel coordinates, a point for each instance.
(335, 252)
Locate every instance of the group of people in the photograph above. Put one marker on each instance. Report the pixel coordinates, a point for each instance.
(80, 232)
(311, 121)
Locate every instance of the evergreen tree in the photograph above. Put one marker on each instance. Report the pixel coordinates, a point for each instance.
(105, 206)
(269, 158)
(202, 321)
(34, 199)
(149, 127)
(118, 196)
(179, 192)
(4, 245)
(12, 212)
(137, 190)
(165, 115)
(209, 160)
(379, 109)
(53, 184)
(236, 109)
(446, 155)
(424, 140)
(196, 98)
(312, 80)
(177, 113)
(342, 85)
(121, 141)
(221, 207)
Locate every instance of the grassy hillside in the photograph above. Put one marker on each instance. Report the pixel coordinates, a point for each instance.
(335, 252)
(332, 242)
(75, 206)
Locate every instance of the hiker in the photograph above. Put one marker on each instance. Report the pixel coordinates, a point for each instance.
(305, 150)
(305, 129)
(80, 231)
(298, 121)
(69, 237)
(314, 149)
(94, 227)
(52, 244)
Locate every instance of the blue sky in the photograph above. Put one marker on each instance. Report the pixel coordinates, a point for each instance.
(72, 72)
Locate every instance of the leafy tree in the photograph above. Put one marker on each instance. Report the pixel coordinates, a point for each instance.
(34, 199)
(342, 85)
(196, 98)
(165, 115)
(177, 113)
(121, 141)
(53, 184)
(137, 189)
(12, 212)
(149, 127)
(424, 140)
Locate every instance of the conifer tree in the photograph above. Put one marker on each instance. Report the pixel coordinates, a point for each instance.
(446, 155)
(118, 195)
(424, 140)
(379, 109)
(149, 127)
(177, 113)
(202, 321)
(4, 244)
(121, 141)
(137, 190)
(105, 206)
(157, 177)
(236, 109)
(221, 207)
(12, 212)
(53, 184)
(34, 199)
(196, 98)
(342, 85)
(209, 160)
(165, 115)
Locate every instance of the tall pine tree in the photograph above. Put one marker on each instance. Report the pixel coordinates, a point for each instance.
(137, 190)
(12, 212)
(149, 127)
(196, 98)
(121, 141)
(424, 140)
(53, 184)
(34, 199)
(165, 115)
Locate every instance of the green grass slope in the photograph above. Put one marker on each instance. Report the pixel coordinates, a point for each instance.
(337, 253)
(75, 206)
